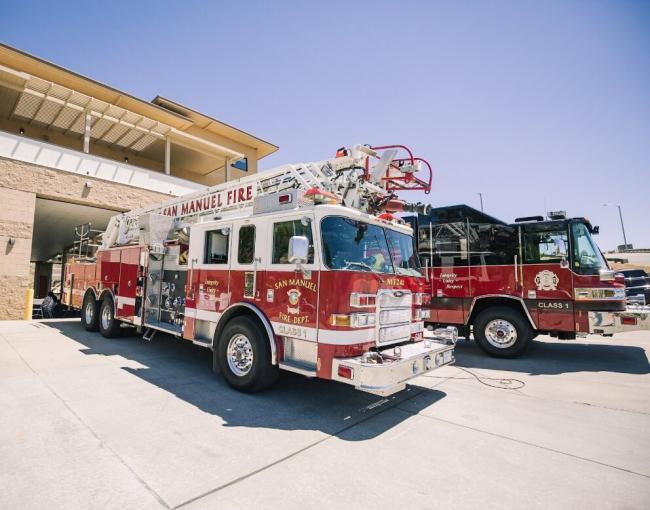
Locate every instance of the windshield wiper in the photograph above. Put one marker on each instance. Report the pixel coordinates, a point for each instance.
(408, 271)
(349, 263)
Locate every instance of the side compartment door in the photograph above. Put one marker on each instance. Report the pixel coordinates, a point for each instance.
(126, 289)
(165, 289)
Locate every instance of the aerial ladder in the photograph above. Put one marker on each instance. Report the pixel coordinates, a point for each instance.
(363, 177)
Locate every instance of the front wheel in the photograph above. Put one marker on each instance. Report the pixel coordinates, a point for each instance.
(109, 326)
(243, 355)
(502, 332)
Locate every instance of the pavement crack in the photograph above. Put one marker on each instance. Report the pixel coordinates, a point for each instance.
(611, 408)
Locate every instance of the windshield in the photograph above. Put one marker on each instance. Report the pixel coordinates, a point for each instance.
(355, 245)
(587, 258)
(403, 253)
(358, 246)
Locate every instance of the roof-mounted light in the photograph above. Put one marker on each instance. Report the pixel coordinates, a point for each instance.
(318, 196)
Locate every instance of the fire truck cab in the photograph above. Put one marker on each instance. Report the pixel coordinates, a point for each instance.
(270, 274)
(507, 283)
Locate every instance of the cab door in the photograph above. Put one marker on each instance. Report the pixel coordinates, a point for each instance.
(290, 293)
(247, 277)
(450, 272)
(210, 257)
(547, 280)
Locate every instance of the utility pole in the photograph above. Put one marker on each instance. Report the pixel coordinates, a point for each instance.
(481, 197)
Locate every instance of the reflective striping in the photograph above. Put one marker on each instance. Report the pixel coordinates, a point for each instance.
(349, 337)
(123, 300)
(328, 336)
(204, 315)
(293, 331)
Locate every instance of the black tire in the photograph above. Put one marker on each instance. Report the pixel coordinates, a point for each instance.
(109, 326)
(499, 341)
(260, 373)
(90, 313)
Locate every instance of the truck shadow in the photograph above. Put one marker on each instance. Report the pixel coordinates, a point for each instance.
(293, 403)
(555, 357)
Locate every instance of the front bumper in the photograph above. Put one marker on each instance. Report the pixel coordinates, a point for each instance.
(387, 371)
(633, 318)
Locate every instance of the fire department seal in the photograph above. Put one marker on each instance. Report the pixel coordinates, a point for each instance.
(546, 280)
(294, 299)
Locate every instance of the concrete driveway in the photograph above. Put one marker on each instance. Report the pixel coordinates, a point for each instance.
(87, 422)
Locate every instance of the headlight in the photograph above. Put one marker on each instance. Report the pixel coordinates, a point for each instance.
(599, 293)
(353, 320)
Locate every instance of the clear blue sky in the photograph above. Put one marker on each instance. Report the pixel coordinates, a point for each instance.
(535, 104)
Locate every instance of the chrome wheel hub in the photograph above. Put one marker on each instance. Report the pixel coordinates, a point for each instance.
(89, 312)
(106, 317)
(240, 355)
(500, 333)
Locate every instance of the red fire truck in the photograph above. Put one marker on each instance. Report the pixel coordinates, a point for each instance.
(507, 283)
(302, 268)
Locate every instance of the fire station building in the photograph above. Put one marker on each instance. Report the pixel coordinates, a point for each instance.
(74, 151)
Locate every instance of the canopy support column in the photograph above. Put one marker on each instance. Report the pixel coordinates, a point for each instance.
(87, 132)
(167, 155)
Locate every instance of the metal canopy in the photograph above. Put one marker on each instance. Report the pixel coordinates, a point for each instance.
(67, 110)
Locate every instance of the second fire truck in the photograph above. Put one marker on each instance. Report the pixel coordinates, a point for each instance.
(302, 268)
(507, 283)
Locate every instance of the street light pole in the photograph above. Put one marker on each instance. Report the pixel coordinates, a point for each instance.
(481, 197)
(620, 216)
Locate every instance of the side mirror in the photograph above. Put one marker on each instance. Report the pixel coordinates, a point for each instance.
(298, 250)
(595, 230)
(607, 275)
(564, 263)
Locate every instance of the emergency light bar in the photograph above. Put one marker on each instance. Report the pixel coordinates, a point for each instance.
(319, 196)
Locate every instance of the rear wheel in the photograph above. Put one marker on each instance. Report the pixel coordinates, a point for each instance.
(502, 332)
(89, 313)
(109, 326)
(243, 356)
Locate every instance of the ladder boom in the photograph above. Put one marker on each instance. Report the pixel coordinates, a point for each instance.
(352, 177)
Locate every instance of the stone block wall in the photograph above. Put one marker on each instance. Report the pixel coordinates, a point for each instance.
(16, 223)
(20, 185)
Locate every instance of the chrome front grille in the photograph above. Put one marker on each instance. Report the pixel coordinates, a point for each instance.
(395, 298)
(394, 309)
(395, 316)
